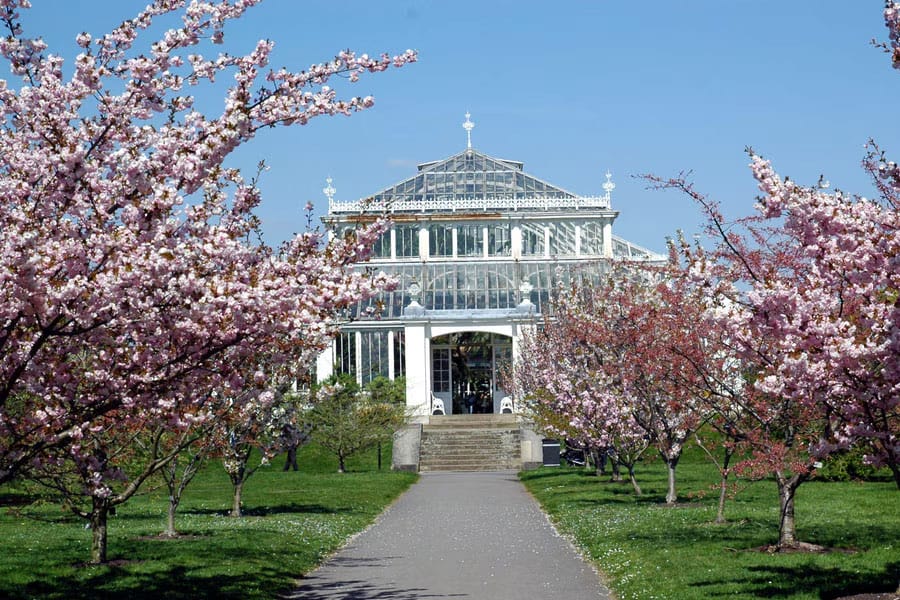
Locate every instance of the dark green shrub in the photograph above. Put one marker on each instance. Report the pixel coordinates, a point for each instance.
(850, 465)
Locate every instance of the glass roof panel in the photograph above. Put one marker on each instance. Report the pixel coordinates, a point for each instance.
(454, 178)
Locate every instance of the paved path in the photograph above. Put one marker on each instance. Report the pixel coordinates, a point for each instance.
(457, 535)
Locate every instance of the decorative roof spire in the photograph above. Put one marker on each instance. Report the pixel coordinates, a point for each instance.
(609, 186)
(329, 190)
(468, 126)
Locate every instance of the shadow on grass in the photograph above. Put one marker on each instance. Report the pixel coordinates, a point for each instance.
(18, 498)
(859, 535)
(779, 581)
(262, 511)
(175, 583)
(181, 582)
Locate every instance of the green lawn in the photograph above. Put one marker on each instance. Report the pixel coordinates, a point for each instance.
(650, 551)
(294, 520)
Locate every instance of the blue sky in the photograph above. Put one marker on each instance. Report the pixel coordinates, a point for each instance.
(571, 89)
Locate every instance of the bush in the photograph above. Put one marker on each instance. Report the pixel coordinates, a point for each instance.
(850, 465)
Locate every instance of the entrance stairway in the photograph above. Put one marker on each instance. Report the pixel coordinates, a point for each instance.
(470, 443)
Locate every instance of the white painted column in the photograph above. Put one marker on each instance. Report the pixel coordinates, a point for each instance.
(607, 239)
(577, 240)
(423, 242)
(418, 371)
(358, 341)
(515, 239)
(325, 363)
(390, 353)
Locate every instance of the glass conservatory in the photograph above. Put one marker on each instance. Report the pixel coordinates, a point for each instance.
(477, 246)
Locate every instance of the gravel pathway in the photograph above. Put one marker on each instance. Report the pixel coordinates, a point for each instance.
(457, 535)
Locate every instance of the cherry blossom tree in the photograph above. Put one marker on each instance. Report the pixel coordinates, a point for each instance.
(809, 307)
(564, 380)
(810, 286)
(653, 322)
(133, 290)
(254, 425)
(630, 338)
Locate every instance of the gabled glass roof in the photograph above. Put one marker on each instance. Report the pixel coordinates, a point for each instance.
(470, 173)
(471, 180)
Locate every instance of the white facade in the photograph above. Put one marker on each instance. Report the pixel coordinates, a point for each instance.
(478, 246)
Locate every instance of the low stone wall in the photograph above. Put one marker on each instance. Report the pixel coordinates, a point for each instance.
(532, 449)
(406, 448)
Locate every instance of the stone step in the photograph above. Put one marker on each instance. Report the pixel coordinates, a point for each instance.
(436, 422)
(460, 451)
(469, 433)
(456, 460)
(473, 467)
(491, 446)
(479, 432)
(467, 443)
(467, 426)
(493, 456)
(448, 462)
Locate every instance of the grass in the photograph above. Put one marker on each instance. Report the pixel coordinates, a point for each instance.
(293, 521)
(648, 550)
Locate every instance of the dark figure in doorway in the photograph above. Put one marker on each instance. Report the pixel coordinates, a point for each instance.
(470, 402)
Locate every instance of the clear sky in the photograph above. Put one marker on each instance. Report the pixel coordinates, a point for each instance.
(571, 89)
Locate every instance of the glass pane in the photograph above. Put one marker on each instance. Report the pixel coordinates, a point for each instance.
(407, 240)
(592, 239)
(532, 239)
(382, 247)
(562, 238)
(440, 240)
(469, 240)
(499, 239)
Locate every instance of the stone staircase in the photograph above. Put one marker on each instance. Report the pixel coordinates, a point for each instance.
(470, 443)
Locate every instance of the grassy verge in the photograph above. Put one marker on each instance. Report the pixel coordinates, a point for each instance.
(294, 520)
(650, 551)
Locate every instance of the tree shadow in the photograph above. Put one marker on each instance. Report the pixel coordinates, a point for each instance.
(262, 511)
(176, 583)
(321, 587)
(779, 581)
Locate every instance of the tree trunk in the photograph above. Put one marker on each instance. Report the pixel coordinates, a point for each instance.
(723, 486)
(634, 483)
(671, 494)
(599, 456)
(170, 517)
(787, 488)
(895, 469)
(236, 502)
(616, 474)
(341, 467)
(99, 515)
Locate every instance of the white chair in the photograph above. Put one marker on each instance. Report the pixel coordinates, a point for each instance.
(506, 405)
(437, 406)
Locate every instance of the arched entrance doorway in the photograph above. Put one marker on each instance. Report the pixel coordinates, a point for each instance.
(466, 368)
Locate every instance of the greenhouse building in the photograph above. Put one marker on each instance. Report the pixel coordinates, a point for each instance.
(477, 245)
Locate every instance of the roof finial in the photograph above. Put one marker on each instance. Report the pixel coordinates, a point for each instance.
(609, 186)
(329, 190)
(468, 126)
